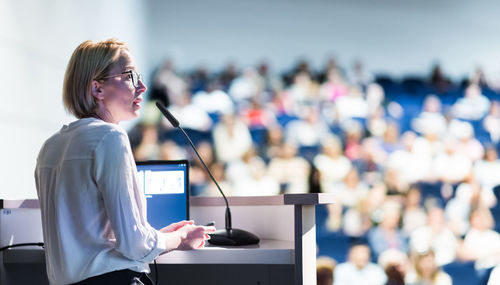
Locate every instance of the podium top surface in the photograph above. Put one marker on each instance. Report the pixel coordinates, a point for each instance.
(282, 199)
(200, 201)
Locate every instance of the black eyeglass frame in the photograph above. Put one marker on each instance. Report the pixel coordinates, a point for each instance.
(136, 77)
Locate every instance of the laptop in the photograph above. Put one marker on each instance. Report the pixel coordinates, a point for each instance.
(166, 186)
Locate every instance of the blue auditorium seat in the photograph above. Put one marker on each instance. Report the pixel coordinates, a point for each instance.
(334, 244)
(321, 218)
(195, 135)
(491, 94)
(391, 88)
(309, 152)
(430, 190)
(284, 119)
(462, 273)
(215, 117)
(495, 211)
(259, 135)
(415, 86)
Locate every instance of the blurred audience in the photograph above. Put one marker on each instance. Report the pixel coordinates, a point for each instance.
(412, 163)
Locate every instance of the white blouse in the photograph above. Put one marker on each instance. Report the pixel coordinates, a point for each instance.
(93, 212)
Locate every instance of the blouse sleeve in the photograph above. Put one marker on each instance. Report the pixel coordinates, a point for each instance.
(116, 178)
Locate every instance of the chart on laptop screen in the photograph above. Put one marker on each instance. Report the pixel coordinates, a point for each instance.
(166, 187)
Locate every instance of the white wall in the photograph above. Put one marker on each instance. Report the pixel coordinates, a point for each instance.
(392, 36)
(36, 42)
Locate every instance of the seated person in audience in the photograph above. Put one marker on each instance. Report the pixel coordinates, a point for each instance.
(428, 145)
(491, 122)
(245, 86)
(167, 85)
(487, 169)
(478, 77)
(414, 215)
(352, 105)
(169, 150)
(213, 100)
(353, 134)
(274, 142)
(467, 144)
(457, 210)
(390, 140)
(303, 90)
(435, 236)
(374, 97)
(351, 190)
(149, 147)
(439, 81)
(387, 234)
(359, 76)
(249, 176)
(409, 167)
(331, 163)
(232, 139)
(481, 244)
(370, 164)
(228, 73)
(189, 115)
(425, 271)
(482, 196)
(358, 269)
(395, 264)
(430, 117)
(356, 220)
(451, 166)
(377, 122)
(268, 80)
(334, 87)
(324, 270)
(473, 106)
(219, 172)
(255, 116)
(198, 176)
(291, 171)
(309, 131)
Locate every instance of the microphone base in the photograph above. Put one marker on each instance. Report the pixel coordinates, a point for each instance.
(234, 237)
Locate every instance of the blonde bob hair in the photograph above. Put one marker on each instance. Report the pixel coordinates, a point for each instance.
(90, 61)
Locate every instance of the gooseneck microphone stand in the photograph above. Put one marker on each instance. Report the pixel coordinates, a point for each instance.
(228, 235)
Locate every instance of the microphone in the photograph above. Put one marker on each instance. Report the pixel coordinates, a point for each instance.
(227, 236)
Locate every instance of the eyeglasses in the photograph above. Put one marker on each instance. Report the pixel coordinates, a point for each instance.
(133, 75)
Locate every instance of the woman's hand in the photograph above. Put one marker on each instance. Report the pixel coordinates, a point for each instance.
(175, 226)
(185, 235)
(193, 237)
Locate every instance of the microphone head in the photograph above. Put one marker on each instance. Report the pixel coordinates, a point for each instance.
(167, 114)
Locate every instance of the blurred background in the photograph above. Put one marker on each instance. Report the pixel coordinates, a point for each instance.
(391, 105)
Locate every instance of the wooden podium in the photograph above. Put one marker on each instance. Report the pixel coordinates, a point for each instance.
(286, 253)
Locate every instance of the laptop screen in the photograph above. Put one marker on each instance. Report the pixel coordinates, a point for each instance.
(166, 186)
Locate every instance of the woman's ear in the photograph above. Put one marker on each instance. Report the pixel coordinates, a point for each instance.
(97, 90)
